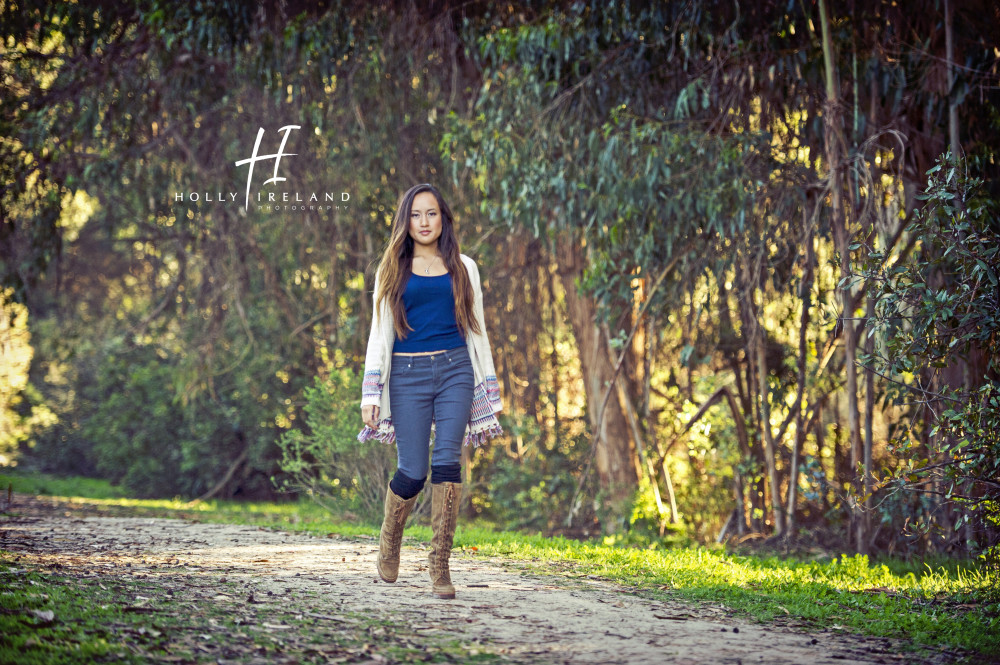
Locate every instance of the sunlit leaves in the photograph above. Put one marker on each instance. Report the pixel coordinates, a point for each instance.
(938, 313)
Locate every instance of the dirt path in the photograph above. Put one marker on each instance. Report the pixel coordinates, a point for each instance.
(524, 617)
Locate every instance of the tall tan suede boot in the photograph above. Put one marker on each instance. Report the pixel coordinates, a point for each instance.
(397, 509)
(444, 518)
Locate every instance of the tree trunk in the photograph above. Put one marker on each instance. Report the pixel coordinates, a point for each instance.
(744, 443)
(555, 367)
(819, 431)
(777, 509)
(833, 141)
(616, 468)
(949, 40)
(805, 295)
(866, 503)
(747, 286)
(748, 486)
(531, 327)
(633, 423)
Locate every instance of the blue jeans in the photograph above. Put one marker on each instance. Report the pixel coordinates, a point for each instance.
(424, 388)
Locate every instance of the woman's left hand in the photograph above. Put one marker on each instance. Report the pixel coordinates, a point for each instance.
(369, 414)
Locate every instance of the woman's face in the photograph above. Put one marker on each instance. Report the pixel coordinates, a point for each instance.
(425, 220)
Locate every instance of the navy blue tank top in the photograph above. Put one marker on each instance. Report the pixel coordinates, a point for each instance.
(430, 311)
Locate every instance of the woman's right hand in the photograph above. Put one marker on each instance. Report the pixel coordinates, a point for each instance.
(369, 413)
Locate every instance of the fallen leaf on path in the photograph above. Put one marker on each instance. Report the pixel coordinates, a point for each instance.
(45, 617)
(328, 617)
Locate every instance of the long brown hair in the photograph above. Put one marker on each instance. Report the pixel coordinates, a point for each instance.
(397, 264)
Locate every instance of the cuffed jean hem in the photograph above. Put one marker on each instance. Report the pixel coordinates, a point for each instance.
(450, 473)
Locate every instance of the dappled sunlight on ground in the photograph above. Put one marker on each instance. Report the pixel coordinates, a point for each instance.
(525, 617)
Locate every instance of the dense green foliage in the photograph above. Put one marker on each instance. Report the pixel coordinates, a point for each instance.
(933, 316)
(669, 142)
(174, 338)
(324, 459)
(675, 189)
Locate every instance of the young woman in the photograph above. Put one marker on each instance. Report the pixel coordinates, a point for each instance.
(428, 335)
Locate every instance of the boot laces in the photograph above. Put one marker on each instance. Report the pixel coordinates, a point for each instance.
(395, 539)
(442, 553)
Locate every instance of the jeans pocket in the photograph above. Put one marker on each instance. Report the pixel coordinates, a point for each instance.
(401, 366)
(463, 367)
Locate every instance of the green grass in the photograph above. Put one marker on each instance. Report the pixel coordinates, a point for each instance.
(43, 483)
(929, 607)
(121, 618)
(956, 606)
(99, 633)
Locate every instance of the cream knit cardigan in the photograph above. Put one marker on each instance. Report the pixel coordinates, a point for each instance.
(483, 423)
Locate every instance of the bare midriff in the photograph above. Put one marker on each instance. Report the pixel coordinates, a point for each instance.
(421, 353)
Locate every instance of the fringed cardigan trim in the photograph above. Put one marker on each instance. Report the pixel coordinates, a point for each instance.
(483, 424)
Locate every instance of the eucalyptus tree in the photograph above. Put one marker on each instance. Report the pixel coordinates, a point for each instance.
(130, 106)
(571, 138)
(185, 326)
(938, 349)
(890, 72)
(687, 140)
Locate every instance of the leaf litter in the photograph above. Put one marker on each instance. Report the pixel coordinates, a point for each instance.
(241, 594)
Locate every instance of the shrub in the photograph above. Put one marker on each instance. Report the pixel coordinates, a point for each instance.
(937, 321)
(324, 458)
